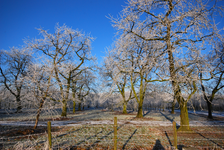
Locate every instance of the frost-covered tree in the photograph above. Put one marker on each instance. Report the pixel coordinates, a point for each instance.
(117, 81)
(213, 67)
(13, 69)
(40, 81)
(74, 90)
(182, 26)
(84, 86)
(66, 50)
(139, 60)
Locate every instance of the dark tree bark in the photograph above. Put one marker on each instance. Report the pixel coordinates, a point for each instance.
(173, 106)
(64, 109)
(38, 113)
(212, 96)
(80, 107)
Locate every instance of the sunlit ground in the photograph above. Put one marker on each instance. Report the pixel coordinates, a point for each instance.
(133, 133)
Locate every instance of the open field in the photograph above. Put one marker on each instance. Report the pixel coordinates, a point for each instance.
(93, 129)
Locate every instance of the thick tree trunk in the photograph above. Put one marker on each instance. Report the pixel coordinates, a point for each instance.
(19, 106)
(173, 106)
(79, 108)
(125, 107)
(38, 113)
(64, 109)
(73, 107)
(140, 112)
(184, 120)
(209, 105)
(209, 102)
(176, 89)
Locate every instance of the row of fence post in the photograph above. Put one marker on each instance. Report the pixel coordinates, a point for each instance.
(115, 134)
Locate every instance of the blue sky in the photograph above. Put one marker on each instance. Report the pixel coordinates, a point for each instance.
(20, 18)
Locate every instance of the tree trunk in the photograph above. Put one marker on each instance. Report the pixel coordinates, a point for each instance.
(97, 104)
(209, 104)
(73, 107)
(64, 109)
(140, 113)
(79, 108)
(184, 120)
(125, 107)
(19, 106)
(176, 89)
(173, 106)
(38, 113)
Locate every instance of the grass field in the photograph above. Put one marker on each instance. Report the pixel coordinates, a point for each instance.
(93, 129)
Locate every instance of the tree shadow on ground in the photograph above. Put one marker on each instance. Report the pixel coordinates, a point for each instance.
(83, 141)
(103, 137)
(179, 147)
(146, 113)
(58, 136)
(210, 140)
(168, 139)
(129, 139)
(158, 146)
(170, 119)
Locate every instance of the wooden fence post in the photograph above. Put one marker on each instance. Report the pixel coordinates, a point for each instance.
(174, 134)
(115, 133)
(49, 135)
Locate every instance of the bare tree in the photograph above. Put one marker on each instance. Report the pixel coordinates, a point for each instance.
(13, 69)
(74, 91)
(138, 59)
(182, 26)
(85, 86)
(67, 50)
(82, 81)
(216, 71)
(40, 81)
(113, 77)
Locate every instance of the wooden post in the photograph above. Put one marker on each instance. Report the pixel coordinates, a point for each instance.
(49, 135)
(174, 134)
(115, 133)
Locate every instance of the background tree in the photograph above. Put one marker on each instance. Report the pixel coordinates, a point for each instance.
(215, 68)
(85, 85)
(83, 79)
(138, 59)
(74, 91)
(13, 69)
(64, 48)
(40, 82)
(181, 26)
(118, 81)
